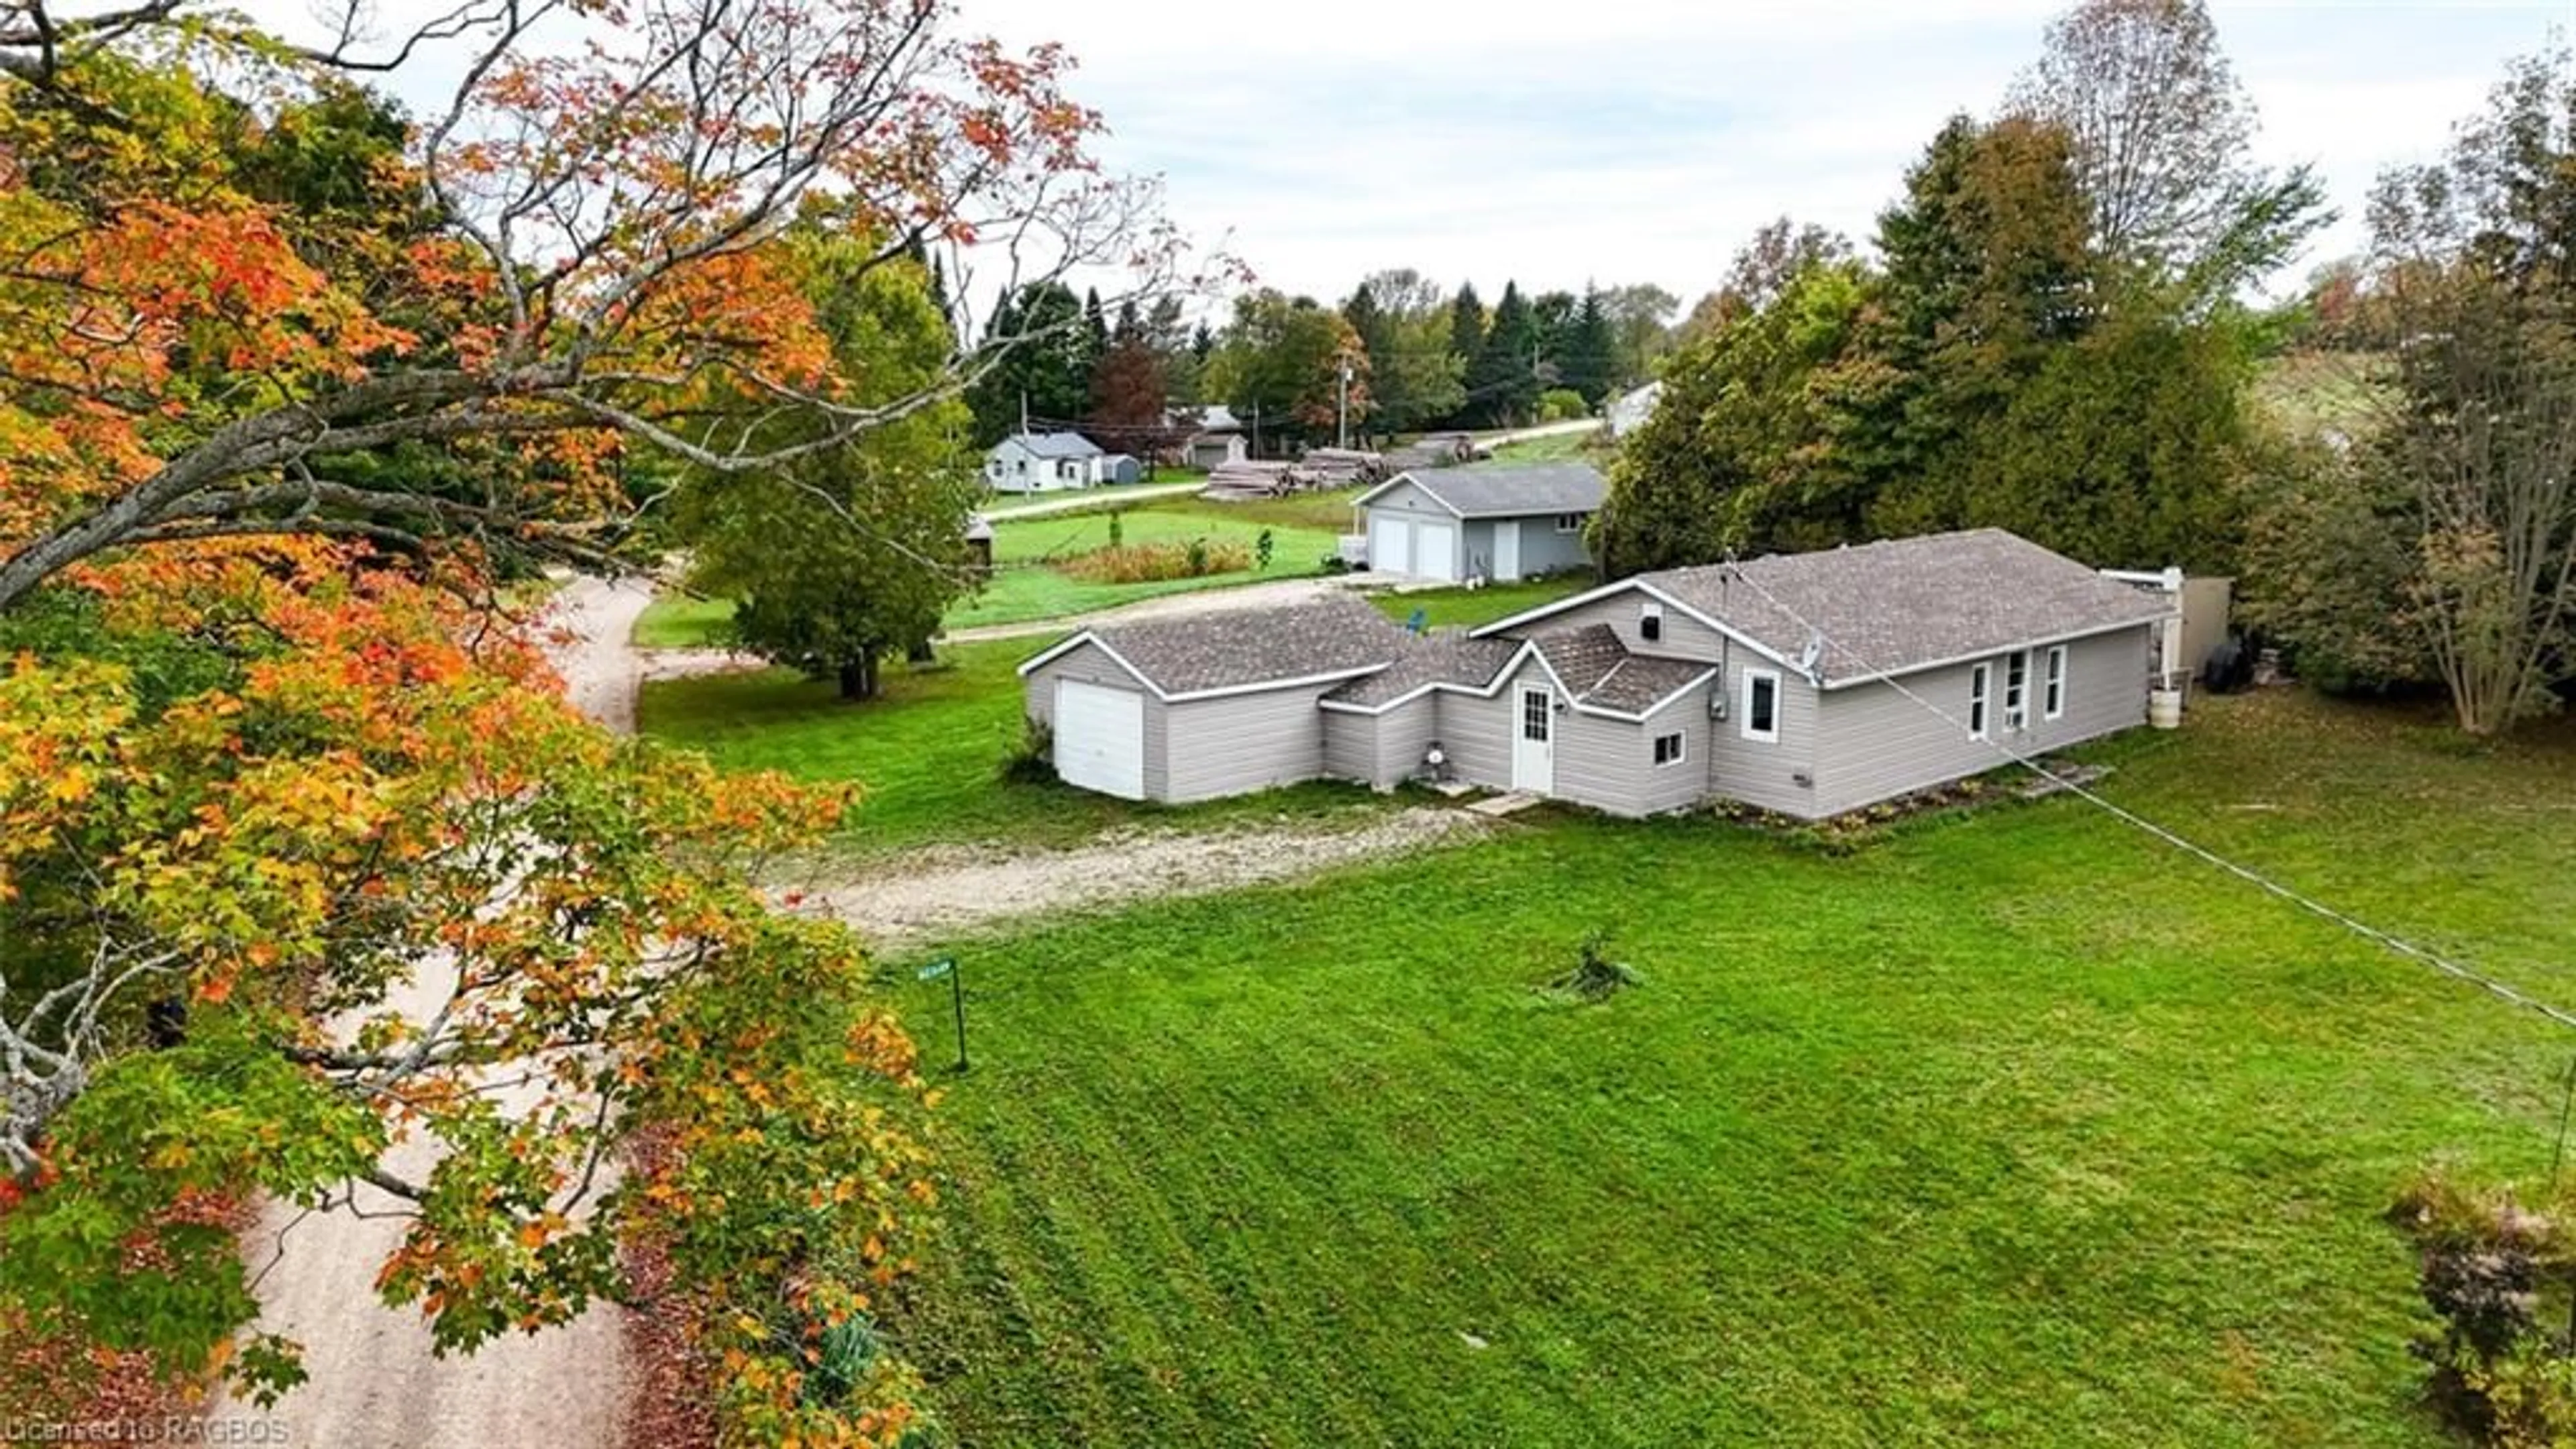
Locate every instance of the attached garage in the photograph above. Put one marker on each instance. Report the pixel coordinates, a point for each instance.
(1100, 738)
(1195, 708)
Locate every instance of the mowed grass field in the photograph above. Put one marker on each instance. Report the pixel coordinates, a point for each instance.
(2011, 1128)
(1027, 586)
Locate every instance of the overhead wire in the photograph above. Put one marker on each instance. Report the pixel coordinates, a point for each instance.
(2388, 940)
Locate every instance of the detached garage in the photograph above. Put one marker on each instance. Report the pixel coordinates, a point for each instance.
(1495, 522)
(1215, 704)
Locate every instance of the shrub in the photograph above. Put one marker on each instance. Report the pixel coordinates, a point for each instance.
(2486, 1261)
(1032, 760)
(1561, 405)
(1146, 563)
(1595, 976)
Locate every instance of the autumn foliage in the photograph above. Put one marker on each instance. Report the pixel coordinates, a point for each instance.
(301, 846)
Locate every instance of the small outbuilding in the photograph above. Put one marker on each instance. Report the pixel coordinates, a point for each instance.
(1494, 522)
(1121, 468)
(1042, 463)
(1214, 704)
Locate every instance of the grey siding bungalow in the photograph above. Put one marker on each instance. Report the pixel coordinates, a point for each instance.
(1496, 521)
(1809, 684)
(1188, 709)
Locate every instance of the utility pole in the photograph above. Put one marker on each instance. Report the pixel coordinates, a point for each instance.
(1256, 427)
(1024, 412)
(1342, 409)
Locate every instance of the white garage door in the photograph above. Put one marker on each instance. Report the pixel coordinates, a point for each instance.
(1435, 551)
(1390, 544)
(1100, 738)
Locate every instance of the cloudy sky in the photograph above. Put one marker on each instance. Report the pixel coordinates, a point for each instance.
(1642, 140)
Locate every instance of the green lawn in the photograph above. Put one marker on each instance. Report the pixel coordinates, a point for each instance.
(926, 754)
(1559, 446)
(1469, 608)
(2013, 1128)
(1025, 588)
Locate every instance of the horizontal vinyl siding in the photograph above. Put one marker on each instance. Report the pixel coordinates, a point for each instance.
(1684, 637)
(1350, 745)
(1878, 744)
(1664, 788)
(1403, 734)
(1092, 666)
(1546, 551)
(1477, 734)
(1763, 773)
(1244, 742)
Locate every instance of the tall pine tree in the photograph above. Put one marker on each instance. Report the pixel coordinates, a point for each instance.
(1503, 381)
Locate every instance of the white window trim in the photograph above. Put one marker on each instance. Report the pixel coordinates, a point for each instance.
(2052, 685)
(1744, 715)
(1981, 711)
(2017, 699)
(1650, 610)
(1569, 523)
(1681, 748)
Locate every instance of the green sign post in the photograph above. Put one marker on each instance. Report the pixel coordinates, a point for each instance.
(947, 966)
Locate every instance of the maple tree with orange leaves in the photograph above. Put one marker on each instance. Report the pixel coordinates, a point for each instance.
(291, 384)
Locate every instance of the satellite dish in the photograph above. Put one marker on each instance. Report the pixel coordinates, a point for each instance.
(1815, 650)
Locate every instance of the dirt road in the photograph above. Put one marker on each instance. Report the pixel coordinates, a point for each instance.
(374, 1382)
(957, 890)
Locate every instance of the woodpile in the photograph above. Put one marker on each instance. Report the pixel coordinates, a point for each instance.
(1320, 468)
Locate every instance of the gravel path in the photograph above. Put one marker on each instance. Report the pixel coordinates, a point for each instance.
(1081, 499)
(1275, 594)
(955, 891)
(374, 1382)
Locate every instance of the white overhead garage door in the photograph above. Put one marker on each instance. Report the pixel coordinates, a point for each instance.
(1390, 544)
(1435, 551)
(1100, 738)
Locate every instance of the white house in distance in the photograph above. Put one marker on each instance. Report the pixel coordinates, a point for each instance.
(1044, 463)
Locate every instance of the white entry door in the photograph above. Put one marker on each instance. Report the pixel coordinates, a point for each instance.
(1507, 550)
(1390, 544)
(1435, 551)
(1100, 738)
(1534, 741)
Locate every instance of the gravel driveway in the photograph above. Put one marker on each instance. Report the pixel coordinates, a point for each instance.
(374, 1382)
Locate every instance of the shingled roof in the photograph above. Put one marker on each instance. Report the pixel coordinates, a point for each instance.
(1057, 445)
(1453, 660)
(1508, 490)
(1891, 607)
(1242, 648)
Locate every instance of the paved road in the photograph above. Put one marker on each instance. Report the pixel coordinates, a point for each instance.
(374, 1382)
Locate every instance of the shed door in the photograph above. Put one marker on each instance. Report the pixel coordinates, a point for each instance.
(1100, 738)
(1390, 544)
(1435, 551)
(1507, 550)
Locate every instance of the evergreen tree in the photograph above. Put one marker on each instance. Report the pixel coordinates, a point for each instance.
(1503, 381)
(1045, 361)
(1588, 359)
(1467, 343)
(1376, 334)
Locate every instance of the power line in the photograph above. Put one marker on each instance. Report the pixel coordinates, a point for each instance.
(2421, 955)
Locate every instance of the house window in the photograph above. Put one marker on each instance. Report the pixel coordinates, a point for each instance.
(2017, 690)
(1536, 705)
(2052, 698)
(1569, 523)
(1668, 749)
(1762, 706)
(1977, 682)
(1650, 621)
